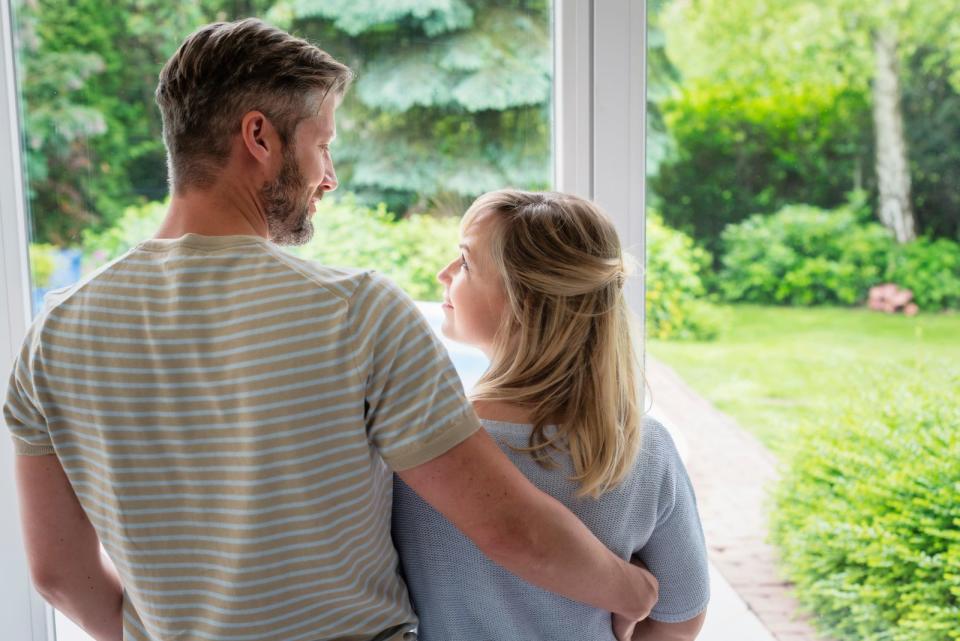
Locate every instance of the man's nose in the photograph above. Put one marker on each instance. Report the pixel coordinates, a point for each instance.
(330, 181)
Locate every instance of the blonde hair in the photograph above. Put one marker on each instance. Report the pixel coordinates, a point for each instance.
(222, 71)
(564, 348)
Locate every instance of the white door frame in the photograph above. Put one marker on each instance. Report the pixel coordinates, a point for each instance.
(599, 137)
(23, 612)
(600, 114)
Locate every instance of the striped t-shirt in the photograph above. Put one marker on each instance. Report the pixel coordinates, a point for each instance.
(229, 417)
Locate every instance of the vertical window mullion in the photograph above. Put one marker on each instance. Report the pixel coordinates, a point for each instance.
(23, 612)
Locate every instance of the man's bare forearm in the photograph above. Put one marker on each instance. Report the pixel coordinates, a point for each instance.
(559, 553)
(650, 630)
(89, 593)
(63, 550)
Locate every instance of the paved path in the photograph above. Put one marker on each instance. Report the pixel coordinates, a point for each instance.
(732, 473)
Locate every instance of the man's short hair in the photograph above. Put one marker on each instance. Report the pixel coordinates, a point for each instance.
(226, 69)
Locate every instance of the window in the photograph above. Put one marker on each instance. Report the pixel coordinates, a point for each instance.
(82, 159)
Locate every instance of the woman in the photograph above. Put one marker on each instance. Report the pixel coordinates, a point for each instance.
(539, 288)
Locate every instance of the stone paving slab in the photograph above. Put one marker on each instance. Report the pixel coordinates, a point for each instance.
(732, 474)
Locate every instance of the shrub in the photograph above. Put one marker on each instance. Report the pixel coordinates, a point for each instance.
(803, 255)
(136, 224)
(411, 250)
(735, 152)
(931, 270)
(675, 303)
(43, 262)
(867, 517)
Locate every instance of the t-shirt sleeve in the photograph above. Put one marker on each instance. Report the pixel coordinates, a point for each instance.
(22, 412)
(414, 405)
(676, 552)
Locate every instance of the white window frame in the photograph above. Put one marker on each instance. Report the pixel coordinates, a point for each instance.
(24, 614)
(599, 137)
(600, 114)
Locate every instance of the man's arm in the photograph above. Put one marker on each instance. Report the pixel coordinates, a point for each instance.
(477, 488)
(650, 630)
(63, 551)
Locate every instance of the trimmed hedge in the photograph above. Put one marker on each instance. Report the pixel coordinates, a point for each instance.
(868, 519)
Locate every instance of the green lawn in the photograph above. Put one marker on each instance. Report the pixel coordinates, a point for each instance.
(776, 367)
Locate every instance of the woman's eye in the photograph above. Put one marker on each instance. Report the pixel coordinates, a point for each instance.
(463, 261)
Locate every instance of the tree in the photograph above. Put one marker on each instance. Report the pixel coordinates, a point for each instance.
(88, 72)
(452, 96)
(847, 43)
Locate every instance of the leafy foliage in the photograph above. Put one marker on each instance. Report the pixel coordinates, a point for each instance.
(411, 251)
(931, 270)
(931, 104)
(451, 98)
(738, 152)
(868, 517)
(89, 69)
(761, 47)
(675, 303)
(803, 255)
(43, 262)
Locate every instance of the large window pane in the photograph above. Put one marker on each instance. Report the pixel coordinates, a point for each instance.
(451, 99)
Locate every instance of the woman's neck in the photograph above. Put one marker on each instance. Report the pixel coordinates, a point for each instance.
(502, 411)
(506, 412)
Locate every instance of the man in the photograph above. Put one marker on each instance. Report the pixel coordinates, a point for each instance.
(225, 418)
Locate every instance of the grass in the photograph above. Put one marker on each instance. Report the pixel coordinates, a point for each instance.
(775, 368)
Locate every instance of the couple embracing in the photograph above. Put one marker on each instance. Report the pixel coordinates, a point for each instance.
(272, 449)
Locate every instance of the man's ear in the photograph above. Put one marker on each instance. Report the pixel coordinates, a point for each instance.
(260, 137)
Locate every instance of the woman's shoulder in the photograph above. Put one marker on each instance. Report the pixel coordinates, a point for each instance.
(656, 442)
(658, 458)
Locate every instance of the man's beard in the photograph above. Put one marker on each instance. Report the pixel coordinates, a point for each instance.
(286, 205)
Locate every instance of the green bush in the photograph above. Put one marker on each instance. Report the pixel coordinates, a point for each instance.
(734, 153)
(931, 270)
(675, 303)
(867, 518)
(411, 251)
(136, 224)
(803, 255)
(43, 262)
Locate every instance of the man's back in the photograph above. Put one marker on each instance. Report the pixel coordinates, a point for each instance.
(224, 413)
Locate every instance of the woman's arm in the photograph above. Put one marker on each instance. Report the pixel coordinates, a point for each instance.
(650, 630)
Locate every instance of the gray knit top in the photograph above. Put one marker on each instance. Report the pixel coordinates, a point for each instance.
(460, 595)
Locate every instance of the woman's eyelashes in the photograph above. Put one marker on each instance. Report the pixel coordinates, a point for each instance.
(463, 262)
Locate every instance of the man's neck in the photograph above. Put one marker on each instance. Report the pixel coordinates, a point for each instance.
(221, 210)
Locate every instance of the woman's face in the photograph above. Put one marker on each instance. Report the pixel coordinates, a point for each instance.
(473, 295)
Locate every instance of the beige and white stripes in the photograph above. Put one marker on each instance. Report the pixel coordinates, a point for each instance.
(229, 417)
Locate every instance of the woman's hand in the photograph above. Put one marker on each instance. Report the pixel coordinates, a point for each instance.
(623, 628)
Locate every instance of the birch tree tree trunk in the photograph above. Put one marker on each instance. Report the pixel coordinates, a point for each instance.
(893, 172)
